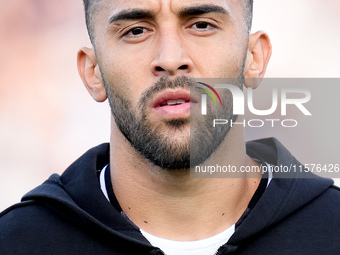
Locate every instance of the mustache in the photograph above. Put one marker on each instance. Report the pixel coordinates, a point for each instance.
(164, 83)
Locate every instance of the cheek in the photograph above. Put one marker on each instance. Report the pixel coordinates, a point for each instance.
(220, 64)
(126, 76)
(221, 58)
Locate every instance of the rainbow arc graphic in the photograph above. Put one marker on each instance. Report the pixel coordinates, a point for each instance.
(209, 93)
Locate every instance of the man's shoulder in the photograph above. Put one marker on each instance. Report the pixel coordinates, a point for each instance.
(294, 216)
(35, 227)
(330, 200)
(26, 225)
(48, 215)
(68, 214)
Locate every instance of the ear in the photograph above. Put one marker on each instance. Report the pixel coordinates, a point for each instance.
(259, 52)
(89, 72)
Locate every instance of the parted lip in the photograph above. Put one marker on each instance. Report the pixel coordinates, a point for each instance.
(168, 95)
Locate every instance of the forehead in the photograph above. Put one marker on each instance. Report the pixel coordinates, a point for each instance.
(162, 7)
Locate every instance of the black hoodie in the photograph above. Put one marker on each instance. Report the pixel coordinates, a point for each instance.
(69, 214)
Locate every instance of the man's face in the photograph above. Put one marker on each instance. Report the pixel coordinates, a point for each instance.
(148, 52)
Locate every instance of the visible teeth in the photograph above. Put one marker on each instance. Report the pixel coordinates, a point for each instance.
(174, 102)
(171, 102)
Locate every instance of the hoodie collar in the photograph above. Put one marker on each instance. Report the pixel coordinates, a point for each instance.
(77, 194)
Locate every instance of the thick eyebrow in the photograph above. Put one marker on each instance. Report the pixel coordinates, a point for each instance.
(131, 14)
(202, 9)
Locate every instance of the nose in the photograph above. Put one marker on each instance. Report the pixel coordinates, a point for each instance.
(171, 57)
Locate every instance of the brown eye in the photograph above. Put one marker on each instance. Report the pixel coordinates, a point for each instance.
(202, 25)
(137, 34)
(137, 31)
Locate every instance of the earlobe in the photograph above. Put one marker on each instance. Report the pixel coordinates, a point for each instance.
(89, 72)
(259, 52)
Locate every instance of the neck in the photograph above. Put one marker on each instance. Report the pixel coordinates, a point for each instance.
(172, 205)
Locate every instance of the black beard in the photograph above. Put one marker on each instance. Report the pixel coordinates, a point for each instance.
(159, 147)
